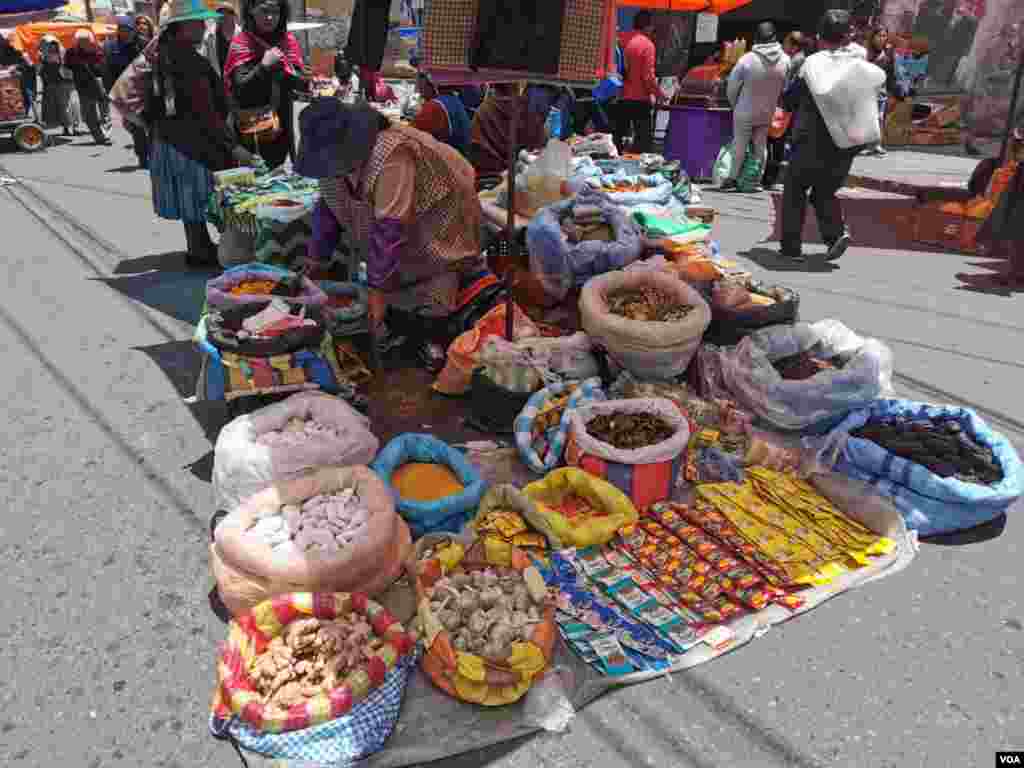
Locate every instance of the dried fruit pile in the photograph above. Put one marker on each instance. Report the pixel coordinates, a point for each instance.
(806, 364)
(648, 304)
(628, 431)
(326, 524)
(486, 611)
(311, 657)
(944, 447)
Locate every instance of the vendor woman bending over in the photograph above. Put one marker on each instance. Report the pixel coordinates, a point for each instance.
(407, 201)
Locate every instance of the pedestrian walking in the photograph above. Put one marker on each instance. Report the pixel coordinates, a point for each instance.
(754, 88)
(118, 54)
(818, 164)
(640, 90)
(85, 60)
(60, 101)
(191, 139)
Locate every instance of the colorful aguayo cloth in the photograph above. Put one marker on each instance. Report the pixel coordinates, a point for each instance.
(788, 521)
(276, 242)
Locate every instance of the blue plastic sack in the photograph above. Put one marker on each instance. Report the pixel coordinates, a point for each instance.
(560, 265)
(339, 743)
(929, 504)
(544, 453)
(449, 514)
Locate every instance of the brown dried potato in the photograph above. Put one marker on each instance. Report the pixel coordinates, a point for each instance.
(310, 658)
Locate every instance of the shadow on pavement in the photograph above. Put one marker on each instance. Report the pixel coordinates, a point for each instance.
(125, 168)
(180, 361)
(180, 295)
(989, 284)
(773, 261)
(993, 529)
(171, 261)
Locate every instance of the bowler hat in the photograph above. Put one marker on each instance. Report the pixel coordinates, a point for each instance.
(335, 138)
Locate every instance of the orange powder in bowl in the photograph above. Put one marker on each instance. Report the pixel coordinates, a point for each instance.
(425, 481)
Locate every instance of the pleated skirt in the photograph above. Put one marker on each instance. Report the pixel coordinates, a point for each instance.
(181, 186)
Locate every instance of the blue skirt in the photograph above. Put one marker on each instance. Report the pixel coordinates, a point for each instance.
(181, 186)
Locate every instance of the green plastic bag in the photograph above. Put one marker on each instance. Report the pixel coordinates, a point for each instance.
(749, 177)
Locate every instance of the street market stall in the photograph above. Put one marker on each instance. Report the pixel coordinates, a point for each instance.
(670, 468)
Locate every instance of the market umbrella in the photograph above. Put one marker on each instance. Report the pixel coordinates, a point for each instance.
(717, 7)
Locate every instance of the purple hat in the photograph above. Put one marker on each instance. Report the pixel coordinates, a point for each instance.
(335, 138)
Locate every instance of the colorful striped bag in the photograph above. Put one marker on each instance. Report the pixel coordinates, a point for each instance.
(645, 475)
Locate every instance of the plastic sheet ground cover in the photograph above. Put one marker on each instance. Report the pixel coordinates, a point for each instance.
(433, 726)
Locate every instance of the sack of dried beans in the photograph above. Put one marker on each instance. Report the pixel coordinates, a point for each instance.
(636, 445)
(650, 322)
(944, 468)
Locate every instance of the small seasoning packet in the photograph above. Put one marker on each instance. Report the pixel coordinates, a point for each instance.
(719, 637)
(639, 645)
(630, 596)
(658, 616)
(682, 636)
(617, 559)
(613, 658)
(611, 579)
(592, 561)
(575, 631)
(530, 541)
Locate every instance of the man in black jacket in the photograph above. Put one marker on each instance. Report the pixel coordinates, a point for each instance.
(817, 165)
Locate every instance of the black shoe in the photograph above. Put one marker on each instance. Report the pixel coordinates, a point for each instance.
(796, 257)
(728, 185)
(838, 248)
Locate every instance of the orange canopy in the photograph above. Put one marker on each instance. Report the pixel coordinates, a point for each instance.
(26, 37)
(707, 6)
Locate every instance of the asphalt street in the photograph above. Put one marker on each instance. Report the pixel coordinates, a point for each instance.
(107, 641)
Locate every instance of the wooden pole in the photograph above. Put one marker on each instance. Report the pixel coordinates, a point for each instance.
(510, 221)
(1014, 98)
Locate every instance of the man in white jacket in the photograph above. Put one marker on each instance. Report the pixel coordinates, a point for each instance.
(754, 88)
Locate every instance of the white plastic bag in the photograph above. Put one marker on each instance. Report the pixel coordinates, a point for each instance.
(242, 466)
(845, 87)
(745, 373)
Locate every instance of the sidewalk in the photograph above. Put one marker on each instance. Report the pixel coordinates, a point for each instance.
(912, 173)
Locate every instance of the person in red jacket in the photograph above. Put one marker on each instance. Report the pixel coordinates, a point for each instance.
(640, 87)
